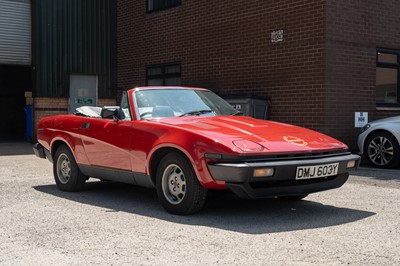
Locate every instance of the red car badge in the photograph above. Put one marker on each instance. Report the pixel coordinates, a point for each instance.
(295, 141)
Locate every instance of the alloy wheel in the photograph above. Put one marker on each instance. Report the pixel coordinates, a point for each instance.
(63, 168)
(174, 184)
(380, 151)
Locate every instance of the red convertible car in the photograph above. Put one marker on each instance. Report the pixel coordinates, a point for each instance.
(186, 141)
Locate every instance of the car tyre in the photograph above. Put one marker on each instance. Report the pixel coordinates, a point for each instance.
(178, 188)
(66, 172)
(382, 150)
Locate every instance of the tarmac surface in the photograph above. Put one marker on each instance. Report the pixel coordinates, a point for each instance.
(115, 224)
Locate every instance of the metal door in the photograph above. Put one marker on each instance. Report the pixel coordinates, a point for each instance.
(15, 32)
(82, 91)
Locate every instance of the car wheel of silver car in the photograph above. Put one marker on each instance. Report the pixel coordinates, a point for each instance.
(67, 174)
(178, 188)
(382, 150)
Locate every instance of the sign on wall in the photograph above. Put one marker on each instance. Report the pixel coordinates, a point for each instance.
(82, 91)
(277, 36)
(360, 119)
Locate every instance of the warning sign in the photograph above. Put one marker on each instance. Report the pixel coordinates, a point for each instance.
(360, 119)
(84, 100)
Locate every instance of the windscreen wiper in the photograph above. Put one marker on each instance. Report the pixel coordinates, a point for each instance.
(236, 113)
(197, 112)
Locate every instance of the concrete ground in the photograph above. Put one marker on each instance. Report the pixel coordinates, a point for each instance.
(116, 224)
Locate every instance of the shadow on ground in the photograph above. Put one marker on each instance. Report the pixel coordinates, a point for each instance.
(377, 174)
(223, 210)
(15, 148)
(366, 170)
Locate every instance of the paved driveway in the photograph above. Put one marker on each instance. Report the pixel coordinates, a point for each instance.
(115, 224)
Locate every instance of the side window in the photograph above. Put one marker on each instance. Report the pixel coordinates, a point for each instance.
(155, 5)
(125, 111)
(164, 75)
(387, 77)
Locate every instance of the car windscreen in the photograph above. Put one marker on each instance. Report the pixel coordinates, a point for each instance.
(180, 102)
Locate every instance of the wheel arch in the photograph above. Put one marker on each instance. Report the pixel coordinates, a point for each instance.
(56, 144)
(380, 130)
(157, 156)
(71, 178)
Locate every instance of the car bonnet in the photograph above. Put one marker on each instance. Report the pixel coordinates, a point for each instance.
(273, 136)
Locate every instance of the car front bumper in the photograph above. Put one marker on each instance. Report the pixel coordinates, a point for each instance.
(239, 176)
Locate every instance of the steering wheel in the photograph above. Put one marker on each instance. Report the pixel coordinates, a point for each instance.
(145, 114)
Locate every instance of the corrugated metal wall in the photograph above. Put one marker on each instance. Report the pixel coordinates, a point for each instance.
(15, 32)
(74, 37)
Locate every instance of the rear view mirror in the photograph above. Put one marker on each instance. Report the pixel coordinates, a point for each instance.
(110, 112)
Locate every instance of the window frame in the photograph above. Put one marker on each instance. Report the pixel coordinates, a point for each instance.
(164, 76)
(162, 5)
(125, 105)
(389, 66)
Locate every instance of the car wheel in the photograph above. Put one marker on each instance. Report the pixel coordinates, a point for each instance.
(67, 174)
(294, 197)
(382, 150)
(178, 188)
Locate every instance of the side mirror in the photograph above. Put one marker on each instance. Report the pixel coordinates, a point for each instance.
(110, 112)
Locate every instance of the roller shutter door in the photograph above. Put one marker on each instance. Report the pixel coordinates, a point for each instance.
(15, 32)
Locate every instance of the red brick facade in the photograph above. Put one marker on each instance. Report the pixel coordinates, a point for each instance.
(354, 30)
(318, 76)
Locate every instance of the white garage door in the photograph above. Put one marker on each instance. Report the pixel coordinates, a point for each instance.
(15, 32)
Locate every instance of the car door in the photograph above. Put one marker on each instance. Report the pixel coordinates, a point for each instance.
(107, 142)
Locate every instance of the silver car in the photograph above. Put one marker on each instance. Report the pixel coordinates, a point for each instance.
(379, 142)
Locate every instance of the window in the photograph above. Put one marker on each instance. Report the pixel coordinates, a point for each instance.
(387, 77)
(154, 5)
(164, 75)
(125, 113)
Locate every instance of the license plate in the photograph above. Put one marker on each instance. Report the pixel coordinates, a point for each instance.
(316, 171)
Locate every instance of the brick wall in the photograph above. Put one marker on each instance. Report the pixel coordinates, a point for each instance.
(43, 107)
(354, 30)
(226, 46)
(318, 76)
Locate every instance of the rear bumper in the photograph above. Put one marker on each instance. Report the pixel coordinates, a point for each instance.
(42, 152)
(239, 176)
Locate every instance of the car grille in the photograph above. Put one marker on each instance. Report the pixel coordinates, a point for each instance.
(283, 183)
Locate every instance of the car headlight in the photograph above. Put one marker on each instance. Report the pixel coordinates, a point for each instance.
(364, 128)
(247, 145)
